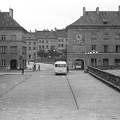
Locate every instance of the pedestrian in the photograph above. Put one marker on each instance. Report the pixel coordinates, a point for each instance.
(35, 67)
(67, 69)
(39, 67)
(22, 70)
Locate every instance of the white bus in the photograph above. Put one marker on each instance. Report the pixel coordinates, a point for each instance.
(60, 67)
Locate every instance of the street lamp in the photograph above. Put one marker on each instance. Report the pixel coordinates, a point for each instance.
(34, 55)
(54, 55)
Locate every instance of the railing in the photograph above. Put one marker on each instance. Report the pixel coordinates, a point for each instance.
(108, 78)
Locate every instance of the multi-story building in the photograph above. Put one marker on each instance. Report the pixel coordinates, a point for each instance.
(32, 46)
(45, 40)
(94, 39)
(61, 40)
(12, 42)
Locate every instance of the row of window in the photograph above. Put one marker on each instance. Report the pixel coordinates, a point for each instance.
(62, 40)
(106, 48)
(30, 48)
(105, 62)
(13, 38)
(42, 41)
(62, 45)
(13, 50)
(105, 36)
(30, 43)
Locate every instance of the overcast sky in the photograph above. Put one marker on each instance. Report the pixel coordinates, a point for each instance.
(48, 14)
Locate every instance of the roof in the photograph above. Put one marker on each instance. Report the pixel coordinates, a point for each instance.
(91, 18)
(46, 34)
(60, 62)
(31, 36)
(61, 33)
(7, 22)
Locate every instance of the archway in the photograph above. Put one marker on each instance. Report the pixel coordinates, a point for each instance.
(13, 64)
(79, 64)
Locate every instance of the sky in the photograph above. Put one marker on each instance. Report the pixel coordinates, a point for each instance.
(48, 14)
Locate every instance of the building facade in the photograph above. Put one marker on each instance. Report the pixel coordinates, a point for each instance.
(94, 39)
(12, 42)
(32, 46)
(45, 40)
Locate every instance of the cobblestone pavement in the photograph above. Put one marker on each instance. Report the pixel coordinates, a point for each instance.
(44, 96)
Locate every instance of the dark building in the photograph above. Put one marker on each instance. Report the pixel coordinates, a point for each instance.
(94, 39)
(12, 42)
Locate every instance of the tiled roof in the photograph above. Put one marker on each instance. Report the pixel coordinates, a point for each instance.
(92, 18)
(31, 35)
(7, 22)
(61, 33)
(46, 34)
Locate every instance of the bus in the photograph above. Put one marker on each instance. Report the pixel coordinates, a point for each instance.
(60, 67)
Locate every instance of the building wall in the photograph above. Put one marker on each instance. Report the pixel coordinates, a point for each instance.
(20, 52)
(91, 37)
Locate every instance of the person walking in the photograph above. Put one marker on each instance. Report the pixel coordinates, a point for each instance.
(39, 67)
(22, 70)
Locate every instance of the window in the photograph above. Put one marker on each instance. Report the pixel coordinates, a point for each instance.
(34, 43)
(3, 37)
(13, 49)
(29, 48)
(42, 46)
(3, 62)
(13, 37)
(93, 62)
(94, 36)
(105, 62)
(93, 47)
(47, 46)
(105, 36)
(3, 49)
(105, 21)
(117, 48)
(29, 43)
(39, 46)
(117, 36)
(23, 50)
(47, 41)
(105, 48)
(34, 48)
(42, 41)
(24, 39)
(30, 56)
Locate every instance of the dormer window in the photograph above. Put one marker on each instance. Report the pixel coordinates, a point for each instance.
(105, 21)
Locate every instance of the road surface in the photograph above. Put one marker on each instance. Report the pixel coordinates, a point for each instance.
(44, 96)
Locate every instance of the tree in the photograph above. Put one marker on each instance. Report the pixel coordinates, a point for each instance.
(64, 51)
(41, 53)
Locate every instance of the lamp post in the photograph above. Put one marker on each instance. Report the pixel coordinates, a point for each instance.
(54, 55)
(34, 55)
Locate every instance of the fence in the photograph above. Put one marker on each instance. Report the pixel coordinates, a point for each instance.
(108, 78)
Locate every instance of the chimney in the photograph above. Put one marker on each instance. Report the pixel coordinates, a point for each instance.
(97, 10)
(84, 10)
(11, 12)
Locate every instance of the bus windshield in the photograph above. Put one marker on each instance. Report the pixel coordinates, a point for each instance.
(60, 65)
